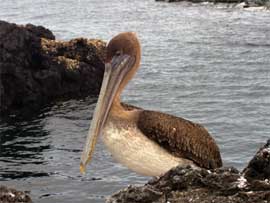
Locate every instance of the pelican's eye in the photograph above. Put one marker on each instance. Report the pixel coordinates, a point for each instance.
(118, 53)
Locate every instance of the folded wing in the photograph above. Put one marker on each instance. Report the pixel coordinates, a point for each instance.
(181, 137)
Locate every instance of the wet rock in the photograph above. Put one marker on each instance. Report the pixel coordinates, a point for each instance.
(259, 166)
(222, 185)
(247, 3)
(35, 69)
(255, 3)
(39, 31)
(200, 1)
(10, 195)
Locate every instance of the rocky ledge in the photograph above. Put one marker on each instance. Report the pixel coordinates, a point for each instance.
(36, 69)
(244, 3)
(10, 195)
(223, 185)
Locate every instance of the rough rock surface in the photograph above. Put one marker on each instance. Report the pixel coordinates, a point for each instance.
(223, 185)
(10, 195)
(259, 166)
(200, 1)
(36, 69)
(247, 3)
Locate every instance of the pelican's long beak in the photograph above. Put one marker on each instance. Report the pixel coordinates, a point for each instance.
(114, 73)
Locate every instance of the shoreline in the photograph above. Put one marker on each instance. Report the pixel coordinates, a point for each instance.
(253, 5)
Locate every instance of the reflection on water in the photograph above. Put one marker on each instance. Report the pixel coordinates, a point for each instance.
(45, 152)
(203, 63)
(23, 142)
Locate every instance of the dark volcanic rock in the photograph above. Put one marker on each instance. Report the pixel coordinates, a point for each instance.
(200, 1)
(259, 166)
(35, 69)
(223, 185)
(10, 195)
(248, 3)
(254, 3)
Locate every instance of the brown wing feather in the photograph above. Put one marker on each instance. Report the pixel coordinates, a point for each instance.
(181, 137)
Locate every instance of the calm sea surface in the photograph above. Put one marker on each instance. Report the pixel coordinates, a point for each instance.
(209, 64)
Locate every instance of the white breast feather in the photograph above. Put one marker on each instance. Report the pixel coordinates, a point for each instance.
(142, 155)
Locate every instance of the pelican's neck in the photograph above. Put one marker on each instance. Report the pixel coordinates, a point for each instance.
(116, 105)
(119, 112)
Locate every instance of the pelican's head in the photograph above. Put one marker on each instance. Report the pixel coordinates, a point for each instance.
(125, 43)
(124, 48)
(123, 54)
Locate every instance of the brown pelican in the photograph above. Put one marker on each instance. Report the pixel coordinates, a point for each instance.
(148, 142)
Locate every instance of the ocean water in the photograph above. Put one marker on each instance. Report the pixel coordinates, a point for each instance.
(206, 63)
